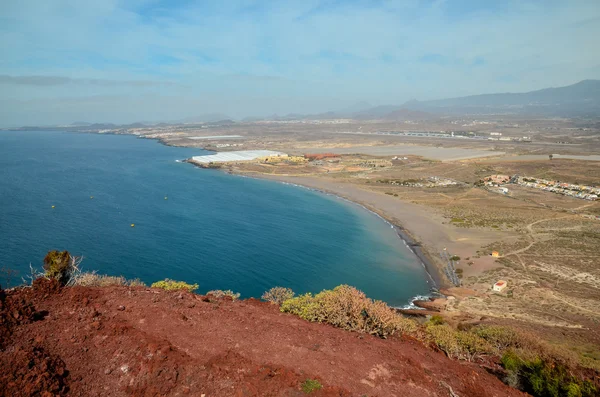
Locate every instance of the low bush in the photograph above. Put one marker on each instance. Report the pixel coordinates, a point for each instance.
(101, 280)
(462, 345)
(278, 295)
(500, 338)
(527, 345)
(542, 377)
(172, 285)
(60, 265)
(436, 319)
(348, 308)
(220, 294)
(136, 282)
(310, 385)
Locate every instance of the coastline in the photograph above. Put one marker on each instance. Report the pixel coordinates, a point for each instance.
(433, 270)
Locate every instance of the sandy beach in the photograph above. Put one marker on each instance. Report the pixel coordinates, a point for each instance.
(427, 233)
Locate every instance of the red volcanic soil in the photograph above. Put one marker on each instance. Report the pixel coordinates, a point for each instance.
(121, 341)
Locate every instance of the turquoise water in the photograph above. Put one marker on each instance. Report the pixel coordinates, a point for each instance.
(218, 230)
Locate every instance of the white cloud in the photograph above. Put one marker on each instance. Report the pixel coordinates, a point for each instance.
(345, 52)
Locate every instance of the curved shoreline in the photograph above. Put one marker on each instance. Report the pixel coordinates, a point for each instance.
(410, 243)
(434, 272)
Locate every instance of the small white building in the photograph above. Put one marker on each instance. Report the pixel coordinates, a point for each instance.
(499, 286)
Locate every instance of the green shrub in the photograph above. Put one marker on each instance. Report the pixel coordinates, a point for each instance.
(172, 285)
(310, 385)
(278, 295)
(436, 319)
(542, 377)
(348, 308)
(462, 345)
(58, 265)
(500, 338)
(136, 282)
(221, 294)
(101, 280)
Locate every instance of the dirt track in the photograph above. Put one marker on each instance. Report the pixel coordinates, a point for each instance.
(121, 341)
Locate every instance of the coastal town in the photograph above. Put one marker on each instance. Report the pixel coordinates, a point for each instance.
(575, 190)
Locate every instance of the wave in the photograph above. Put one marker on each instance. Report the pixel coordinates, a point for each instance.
(411, 303)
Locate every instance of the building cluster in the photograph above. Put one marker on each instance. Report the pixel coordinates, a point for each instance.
(374, 163)
(497, 136)
(306, 121)
(282, 158)
(222, 145)
(497, 182)
(432, 181)
(567, 189)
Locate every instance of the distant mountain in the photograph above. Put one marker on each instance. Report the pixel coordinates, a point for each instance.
(205, 118)
(357, 107)
(384, 112)
(582, 98)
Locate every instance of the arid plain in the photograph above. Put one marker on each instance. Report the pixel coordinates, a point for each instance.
(427, 177)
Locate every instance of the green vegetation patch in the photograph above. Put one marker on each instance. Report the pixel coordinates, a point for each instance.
(278, 295)
(311, 385)
(462, 345)
(348, 308)
(57, 265)
(172, 285)
(222, 294)
(542, 377)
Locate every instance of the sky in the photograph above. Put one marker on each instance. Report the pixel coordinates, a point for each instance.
(121, 61)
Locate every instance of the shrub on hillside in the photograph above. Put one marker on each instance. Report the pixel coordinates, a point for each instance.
(136, 282)
(311, 385)
(278, 295)
(499, 338)
(436, 319)
(462, 345)
(172, 285)
(348, 308)
(525, 344)
(221, 294)
(62, 266)
(542, 377)
(101, 280)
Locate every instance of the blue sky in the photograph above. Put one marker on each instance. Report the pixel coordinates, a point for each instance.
(122, 61)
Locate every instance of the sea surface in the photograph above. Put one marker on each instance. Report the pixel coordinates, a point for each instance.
(201, 226)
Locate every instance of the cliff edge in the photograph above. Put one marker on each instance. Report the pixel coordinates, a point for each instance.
(136, 341)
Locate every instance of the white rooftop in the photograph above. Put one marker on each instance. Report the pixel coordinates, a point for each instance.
(240, 155)
(216, 137)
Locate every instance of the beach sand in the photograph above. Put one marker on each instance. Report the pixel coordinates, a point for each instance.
(415, 223)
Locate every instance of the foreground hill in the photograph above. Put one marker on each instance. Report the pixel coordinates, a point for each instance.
(141, 341)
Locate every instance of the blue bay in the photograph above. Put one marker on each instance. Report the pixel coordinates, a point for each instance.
(218, 230)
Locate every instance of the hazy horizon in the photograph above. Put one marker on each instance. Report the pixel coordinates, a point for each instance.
(156, 60)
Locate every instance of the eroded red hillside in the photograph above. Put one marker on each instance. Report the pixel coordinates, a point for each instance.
(123, 341)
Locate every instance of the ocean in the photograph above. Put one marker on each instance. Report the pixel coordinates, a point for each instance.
(82, 192)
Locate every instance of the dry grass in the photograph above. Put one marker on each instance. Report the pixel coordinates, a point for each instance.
(101, 280)
(348, 308)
